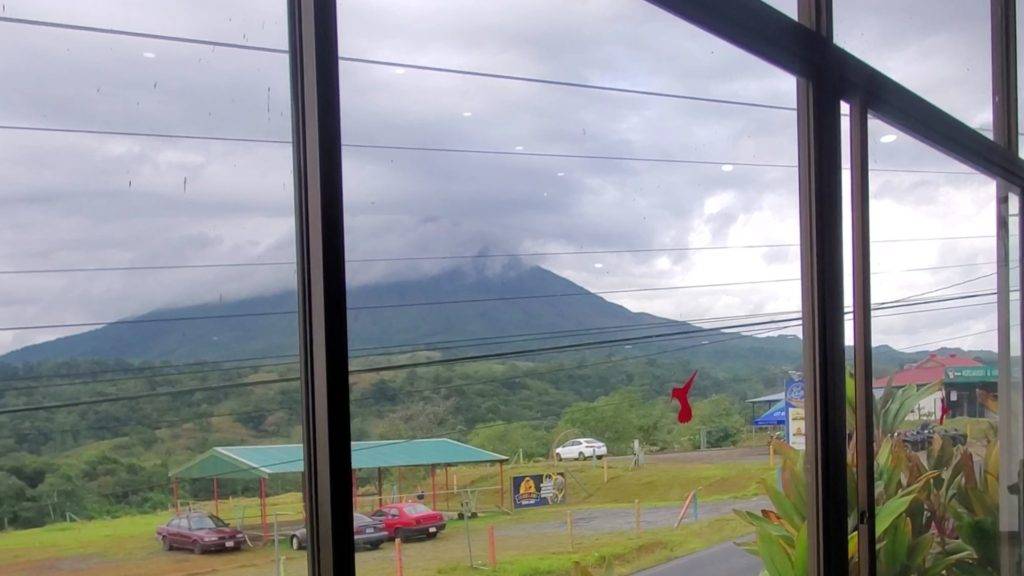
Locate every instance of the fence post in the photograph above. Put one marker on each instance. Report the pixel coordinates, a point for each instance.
(568, 525)
(277, 549)
(492, 553)
(398, 557)
(636, 515)
(686, 506)
(606, 470)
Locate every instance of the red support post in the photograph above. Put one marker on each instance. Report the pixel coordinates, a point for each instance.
(447, 488)
(433, 488)
(174, 495)
(216, 498)
(263, 508)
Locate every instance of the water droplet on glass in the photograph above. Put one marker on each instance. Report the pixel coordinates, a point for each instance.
(184, 185)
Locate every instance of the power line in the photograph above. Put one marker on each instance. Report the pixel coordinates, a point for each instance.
(161, 424)
(418, 304)
(406, 65)
(906, 348)
(147, 320)
(146, 376)
(499, 255)
(476, 151)
(606, 342)
(141, 395)
(132, 369)
(606, 362)
(143, 268)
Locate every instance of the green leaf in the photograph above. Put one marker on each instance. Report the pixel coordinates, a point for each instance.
(776, 561)
(800, 552)
(791, 516)
(888, 512)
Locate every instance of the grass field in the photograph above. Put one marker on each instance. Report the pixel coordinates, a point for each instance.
(127, 546)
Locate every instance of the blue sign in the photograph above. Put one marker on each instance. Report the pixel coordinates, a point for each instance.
(796, 424)
(534, 490)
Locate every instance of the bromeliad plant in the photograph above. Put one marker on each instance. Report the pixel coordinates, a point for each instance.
(933, 516)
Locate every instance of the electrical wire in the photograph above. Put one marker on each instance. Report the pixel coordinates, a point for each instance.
(132, 369)
(501, 255)
(141, 395)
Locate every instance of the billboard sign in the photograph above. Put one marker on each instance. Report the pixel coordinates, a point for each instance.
(534, 490)
(796, 421)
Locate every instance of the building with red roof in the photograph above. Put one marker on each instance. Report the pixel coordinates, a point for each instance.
(967, 384)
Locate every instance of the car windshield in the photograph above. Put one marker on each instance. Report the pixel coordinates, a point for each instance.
(206, 522)
(416, 509)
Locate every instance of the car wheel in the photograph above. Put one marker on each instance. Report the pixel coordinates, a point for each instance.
(197, 548)
(558, 457)
(373, 546)
(600, 457)
(582, 456)
(400, 534)
(296, 543)
(166, 544)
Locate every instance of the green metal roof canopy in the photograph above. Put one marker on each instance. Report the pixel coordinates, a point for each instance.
(243, 462)
(263, 461)
(423, 452)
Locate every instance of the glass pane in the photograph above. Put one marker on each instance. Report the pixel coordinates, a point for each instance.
(536, 267)
(942, 412)
(939, 49)
(148, 337)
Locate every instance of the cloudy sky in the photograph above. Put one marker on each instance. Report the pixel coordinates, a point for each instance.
(87, 200)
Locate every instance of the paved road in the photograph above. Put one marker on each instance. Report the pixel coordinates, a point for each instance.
(597, 520)
(722, 560)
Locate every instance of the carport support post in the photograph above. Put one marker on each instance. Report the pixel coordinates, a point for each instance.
(447, 488)
(216, 498)
(501, 485)
(380, 488)
(433, 487)
(263, 508)
(174, 495)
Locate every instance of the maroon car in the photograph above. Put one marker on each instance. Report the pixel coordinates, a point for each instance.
(199, 532)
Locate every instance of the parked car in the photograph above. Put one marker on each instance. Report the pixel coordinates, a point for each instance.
(408, 520)
(368, 533)
(581, 449)
(919, 439)
(199, 532)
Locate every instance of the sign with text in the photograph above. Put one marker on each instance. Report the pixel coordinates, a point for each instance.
(533, 490)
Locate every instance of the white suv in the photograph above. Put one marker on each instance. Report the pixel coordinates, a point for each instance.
(581, 449)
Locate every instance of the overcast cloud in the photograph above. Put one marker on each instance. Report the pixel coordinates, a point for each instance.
(93, 200)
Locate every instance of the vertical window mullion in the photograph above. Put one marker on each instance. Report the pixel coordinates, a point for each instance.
(323, 346)
(1005, 126)
(821, 249)
(862, 364)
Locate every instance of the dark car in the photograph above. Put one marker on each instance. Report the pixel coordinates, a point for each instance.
(366, 532)
(919, 439)
(199, 532)
(409, 519)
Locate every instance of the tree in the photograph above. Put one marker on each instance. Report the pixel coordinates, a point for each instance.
(507, 439)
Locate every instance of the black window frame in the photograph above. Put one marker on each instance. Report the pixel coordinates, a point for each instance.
(826, 75)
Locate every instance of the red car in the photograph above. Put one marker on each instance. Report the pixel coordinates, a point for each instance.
(409, 519)
(199, 532)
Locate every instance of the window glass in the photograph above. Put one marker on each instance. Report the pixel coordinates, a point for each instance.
(557, 215)
(939, 49)
(943, 410)
(148, 329)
